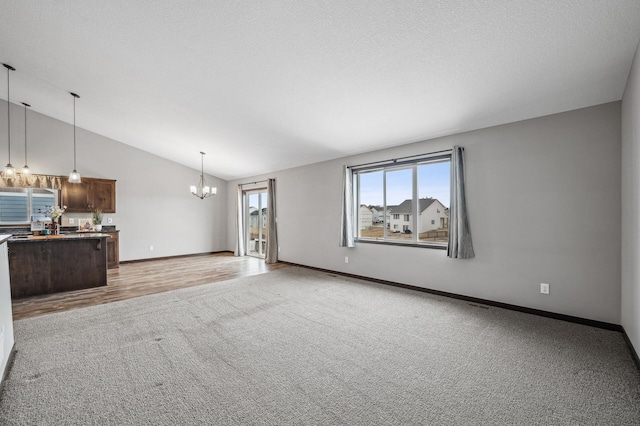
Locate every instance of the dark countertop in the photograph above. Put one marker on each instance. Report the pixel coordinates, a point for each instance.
(63, 237)
(26, 230)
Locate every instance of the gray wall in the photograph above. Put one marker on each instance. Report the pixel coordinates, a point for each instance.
(544, 200)
(631, 206)
(154, 206)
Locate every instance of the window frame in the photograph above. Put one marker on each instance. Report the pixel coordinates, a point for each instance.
(29, 196)
(392, 165)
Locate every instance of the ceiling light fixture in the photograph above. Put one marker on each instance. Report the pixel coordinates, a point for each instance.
(9, 171)
(74, 176)
(25, 169)
(202, 191)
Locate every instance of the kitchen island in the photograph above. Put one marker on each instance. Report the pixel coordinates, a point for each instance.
(56, 263)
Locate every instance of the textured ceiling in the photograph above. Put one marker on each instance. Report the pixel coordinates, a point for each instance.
(267, 85)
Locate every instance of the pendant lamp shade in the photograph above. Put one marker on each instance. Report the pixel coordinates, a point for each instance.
(74, 176)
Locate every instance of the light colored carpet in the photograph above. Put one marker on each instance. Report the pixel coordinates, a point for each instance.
(303, 347)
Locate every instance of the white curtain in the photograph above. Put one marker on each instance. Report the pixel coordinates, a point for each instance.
(239, 251)
(346, 220)
(460, 245)
(271, 255)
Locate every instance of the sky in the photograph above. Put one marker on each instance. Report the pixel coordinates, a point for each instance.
(433, 182)
(254, 199)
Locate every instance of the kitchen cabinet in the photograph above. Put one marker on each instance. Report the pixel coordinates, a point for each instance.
(113, 250)
(56, 263)
(90, 194)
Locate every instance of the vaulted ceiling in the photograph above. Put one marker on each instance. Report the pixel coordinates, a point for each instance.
(267, 85)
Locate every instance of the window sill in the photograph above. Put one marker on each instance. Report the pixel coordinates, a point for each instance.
(437, 246)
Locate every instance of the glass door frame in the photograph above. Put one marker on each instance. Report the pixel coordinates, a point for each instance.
(259, 243)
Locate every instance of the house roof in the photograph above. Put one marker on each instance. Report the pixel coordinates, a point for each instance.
(406, 207)
(255, 212)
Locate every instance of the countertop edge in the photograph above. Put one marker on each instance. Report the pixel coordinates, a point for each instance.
(50, 238)
(5, 237)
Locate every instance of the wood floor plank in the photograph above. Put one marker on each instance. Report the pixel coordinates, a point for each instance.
(148, 277)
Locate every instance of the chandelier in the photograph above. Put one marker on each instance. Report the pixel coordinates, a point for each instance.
(202, 191)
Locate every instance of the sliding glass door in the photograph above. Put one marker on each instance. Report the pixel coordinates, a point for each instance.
(255, 210)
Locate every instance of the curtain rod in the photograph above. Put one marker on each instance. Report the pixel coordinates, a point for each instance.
(394, 160)
(253, 183)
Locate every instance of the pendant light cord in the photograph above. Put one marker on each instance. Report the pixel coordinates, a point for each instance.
(8, 114)
(25, 133)
(74, 132)
(74, 129)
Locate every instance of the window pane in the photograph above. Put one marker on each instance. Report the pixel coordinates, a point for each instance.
(263, 223)
(370, 213)
(393, 186)
(254, 223)
(399, 203)
(13, 207)
(433, 191)
(39, 202)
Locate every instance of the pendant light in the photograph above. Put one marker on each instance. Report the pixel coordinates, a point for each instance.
(9, 171)
(202, 191)
(25, 169)
(74, 176)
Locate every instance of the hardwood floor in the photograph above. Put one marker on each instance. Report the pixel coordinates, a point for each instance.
(147, 277)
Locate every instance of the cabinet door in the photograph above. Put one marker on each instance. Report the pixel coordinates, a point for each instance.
(113, 250)
(76, 196)
(104, 195)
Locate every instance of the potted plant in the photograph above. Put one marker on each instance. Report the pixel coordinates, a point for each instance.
(54, 213)
(97, 220)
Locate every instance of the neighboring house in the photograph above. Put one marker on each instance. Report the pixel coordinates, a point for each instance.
(432, 215)
(389, 211)
(378, 213)
(254, 220)
(446, 222)
(365, 217)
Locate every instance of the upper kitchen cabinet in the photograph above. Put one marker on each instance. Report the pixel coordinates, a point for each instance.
(104, 195)
(89, 195)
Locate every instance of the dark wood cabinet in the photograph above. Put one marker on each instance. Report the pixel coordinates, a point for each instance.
(90, 194)
(113, 250)
(75, 196)
(43, 265)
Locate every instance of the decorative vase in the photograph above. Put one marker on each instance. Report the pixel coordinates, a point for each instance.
(97, 227)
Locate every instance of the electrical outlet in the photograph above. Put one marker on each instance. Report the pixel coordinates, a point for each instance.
(150, 248)
(72, 221)
(278, 249)
(544, 288)
(109, 220)
(346, 259)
